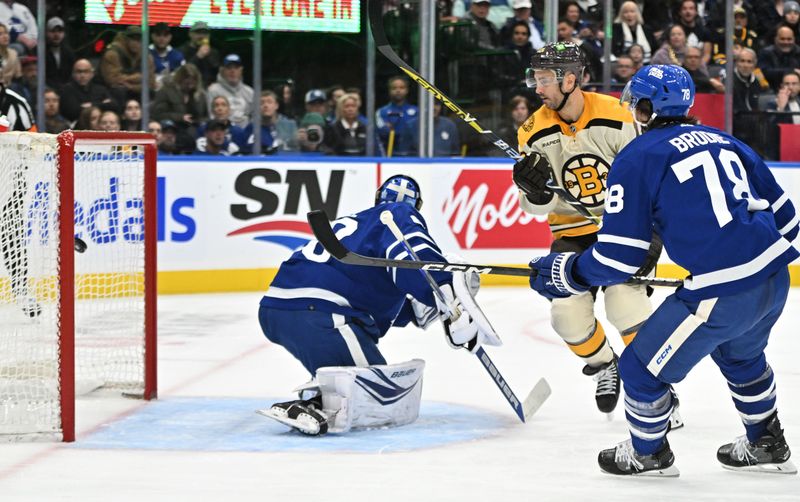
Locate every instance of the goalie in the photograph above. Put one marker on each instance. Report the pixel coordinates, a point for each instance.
(330, 316)
(15, 115)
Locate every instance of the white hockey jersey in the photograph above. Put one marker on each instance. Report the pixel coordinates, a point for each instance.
(580, 155)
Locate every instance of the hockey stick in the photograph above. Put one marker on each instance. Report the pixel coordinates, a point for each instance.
(540, 392)
(321, 227)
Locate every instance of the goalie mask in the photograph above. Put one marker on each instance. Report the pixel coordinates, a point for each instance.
(399, 188)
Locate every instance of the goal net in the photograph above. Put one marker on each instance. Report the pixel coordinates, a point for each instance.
(77, 275)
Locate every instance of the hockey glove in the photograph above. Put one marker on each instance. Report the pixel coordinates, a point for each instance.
(530, 175)
(552, 276)
(460, 329)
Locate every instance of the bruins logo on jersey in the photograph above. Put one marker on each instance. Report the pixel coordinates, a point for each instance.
(584, 176)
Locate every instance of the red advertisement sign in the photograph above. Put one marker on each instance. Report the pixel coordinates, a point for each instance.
(483, 212)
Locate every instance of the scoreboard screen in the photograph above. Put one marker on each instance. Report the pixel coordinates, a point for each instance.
(341, 16)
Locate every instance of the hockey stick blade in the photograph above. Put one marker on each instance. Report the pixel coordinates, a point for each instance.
(536, 398)
(321, 227)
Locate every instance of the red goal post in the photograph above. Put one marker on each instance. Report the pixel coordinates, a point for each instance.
(73, 323)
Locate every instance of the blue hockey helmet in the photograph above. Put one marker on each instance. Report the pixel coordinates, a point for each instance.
(399, 188)
(669, 88)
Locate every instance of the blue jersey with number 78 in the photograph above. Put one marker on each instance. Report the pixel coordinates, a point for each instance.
(715, 204)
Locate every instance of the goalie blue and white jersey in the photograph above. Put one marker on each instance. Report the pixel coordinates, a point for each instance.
(717, 207)
(312, 279)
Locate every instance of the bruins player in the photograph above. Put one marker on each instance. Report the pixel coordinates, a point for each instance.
(573, 138)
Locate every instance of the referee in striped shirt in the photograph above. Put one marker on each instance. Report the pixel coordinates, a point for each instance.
(12, 229)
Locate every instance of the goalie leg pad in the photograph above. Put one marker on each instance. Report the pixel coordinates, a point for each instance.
(627, 308)
(372, 396)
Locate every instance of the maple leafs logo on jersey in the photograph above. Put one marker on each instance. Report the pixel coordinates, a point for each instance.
(655, 72)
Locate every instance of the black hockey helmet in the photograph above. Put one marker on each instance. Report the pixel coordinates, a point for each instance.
(561, 57)
(399, 188)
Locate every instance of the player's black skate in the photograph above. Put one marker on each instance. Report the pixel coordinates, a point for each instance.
(624, 461)
(769, 454)
(303, 415)
(607, 378)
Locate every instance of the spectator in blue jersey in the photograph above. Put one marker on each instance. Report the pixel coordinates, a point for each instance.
(446, 140)
(278, 133)
(215, 141)
(392, 119)
(331, 316)
(724, 218)
(167, 59)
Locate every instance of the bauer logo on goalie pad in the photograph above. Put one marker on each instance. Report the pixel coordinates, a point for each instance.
(386, 392)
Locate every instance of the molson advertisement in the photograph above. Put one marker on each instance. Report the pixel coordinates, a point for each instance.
(343, 16)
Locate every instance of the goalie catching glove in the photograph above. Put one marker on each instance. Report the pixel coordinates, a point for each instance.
(531, 174)
(467, 327)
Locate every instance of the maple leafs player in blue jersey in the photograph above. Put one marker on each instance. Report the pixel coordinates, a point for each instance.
(331, 315)
(723, 217)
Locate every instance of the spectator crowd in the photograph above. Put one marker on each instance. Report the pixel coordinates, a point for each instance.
(201, 103)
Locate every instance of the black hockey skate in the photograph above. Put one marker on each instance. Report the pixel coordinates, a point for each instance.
(303, 415)
(624, 461)
(607, 378)
(769, 454)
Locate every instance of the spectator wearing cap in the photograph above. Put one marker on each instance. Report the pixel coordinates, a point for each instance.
(316, 102)
(523, 12)
(311, 133)
(629, 29)
(743, 36)
(229, 84)
(121, 64)
(22, 25)
(215, 141)
(346, 136)
(82, 91)
(166, 58)
(26, 85)
(54, 122)
(500, 10)
(168, 142)
(198, 51)
(59, 56)
(780, 58)
(10, 67)
(278, 133)
(395, 115)
(478, 15)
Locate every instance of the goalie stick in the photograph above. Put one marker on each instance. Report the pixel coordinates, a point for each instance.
(321, 227)
(540, 392)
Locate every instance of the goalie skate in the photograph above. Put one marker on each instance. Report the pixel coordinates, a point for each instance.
(303, 415)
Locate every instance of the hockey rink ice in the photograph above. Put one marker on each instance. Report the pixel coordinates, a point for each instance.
(201, 440)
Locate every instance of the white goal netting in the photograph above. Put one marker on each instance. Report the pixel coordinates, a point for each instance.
(109, 278)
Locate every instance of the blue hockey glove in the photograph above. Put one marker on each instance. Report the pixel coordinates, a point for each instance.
(551, 276)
